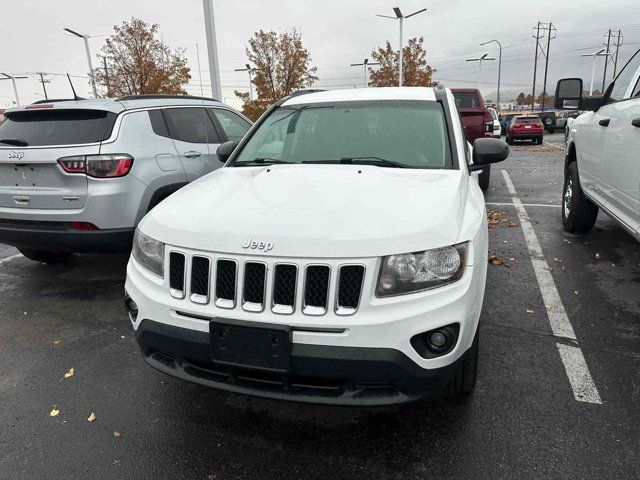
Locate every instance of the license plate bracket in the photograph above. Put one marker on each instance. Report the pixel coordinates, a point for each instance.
(265, 347)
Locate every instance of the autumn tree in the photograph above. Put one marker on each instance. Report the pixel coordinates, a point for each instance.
(520, 99)
(416, 72)
(139, 62)
(548, 100)
(281, 65)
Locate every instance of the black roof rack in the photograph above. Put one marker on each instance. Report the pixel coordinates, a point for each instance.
(160, 96)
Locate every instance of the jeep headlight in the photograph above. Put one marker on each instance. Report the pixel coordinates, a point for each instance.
(411, 272)
(148, 252)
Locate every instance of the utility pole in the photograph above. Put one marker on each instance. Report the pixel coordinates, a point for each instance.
(400, 17)
(13, 79)
(618, 44)
(499, 70)
(199, 70)
(247, 68)
(480, 59)
(106, 76)
(550, 28)
(543, 50)
(212, 49)
(366, 64)
(606, 60)
(43, 81)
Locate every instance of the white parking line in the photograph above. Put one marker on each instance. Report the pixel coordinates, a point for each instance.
(8, 259)
(584, 389)
(503, 204)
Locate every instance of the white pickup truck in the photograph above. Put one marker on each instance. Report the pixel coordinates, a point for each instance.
(602, 166)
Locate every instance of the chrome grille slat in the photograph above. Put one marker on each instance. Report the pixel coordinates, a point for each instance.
(177, 271)
(254, 285)
(316, 289)
(285, 278)
(200, 279)
(226, 282)
(349, 291)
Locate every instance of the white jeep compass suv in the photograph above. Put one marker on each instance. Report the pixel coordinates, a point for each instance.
(339, 256)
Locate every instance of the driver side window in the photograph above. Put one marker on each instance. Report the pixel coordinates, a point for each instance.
(624, 78)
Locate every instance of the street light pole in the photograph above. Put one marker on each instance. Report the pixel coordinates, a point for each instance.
(400, 17)
(13, 79)
(249, 70)
(212, 49)
(482, 58)
(366, 64)
(499, 69)
(594, 55)
(86, 38)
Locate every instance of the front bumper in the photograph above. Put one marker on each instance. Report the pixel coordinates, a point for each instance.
(58, 237)
(318, 374)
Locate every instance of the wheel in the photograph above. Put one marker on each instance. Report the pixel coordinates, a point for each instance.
(43, 256)
(484, 177)
(578, 212)
(551, 129)
(539, 140)
(509, 140)
(464, 380)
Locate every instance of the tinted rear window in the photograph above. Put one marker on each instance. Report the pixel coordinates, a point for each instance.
(58, 127)
(466, 100)
(528, 120)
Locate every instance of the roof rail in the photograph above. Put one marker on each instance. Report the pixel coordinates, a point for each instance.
(304, 91)
(161, 96)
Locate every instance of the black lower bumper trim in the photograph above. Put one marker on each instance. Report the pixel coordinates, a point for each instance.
(57, 237)
(318, 374)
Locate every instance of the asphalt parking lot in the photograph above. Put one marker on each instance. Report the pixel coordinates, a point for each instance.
(547, 405)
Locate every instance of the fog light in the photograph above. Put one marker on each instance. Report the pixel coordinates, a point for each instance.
(438, 339)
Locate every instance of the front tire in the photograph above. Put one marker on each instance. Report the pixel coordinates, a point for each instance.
(484, 178)
(578, 212)
(464, 381)
(44, 256)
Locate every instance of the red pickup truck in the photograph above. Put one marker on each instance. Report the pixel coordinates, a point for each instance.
(477, 122)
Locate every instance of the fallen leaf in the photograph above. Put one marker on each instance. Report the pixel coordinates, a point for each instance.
(493, 260)
(92, 417)
(54, 412)
(57, 342)
(117, 434)
(512, 259)
(529, 310)
(557, 260)
(567, 241)
(70, 373)
(122, 337)
(493, 218)
(513, 223)
(576, 292)
(598, 257)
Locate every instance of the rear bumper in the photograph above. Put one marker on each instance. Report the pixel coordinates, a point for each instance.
(319, 374)
(58, 237)
(526, 136)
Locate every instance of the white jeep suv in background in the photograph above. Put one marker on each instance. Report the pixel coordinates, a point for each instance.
(340, 255)
(77, 176)
(602, 166)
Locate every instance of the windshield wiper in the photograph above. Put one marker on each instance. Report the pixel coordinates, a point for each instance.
(362, 161)
(261, 161)
(14, 141)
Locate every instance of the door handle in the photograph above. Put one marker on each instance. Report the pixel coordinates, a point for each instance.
(636, 122)
(604, 122)
(192, 154)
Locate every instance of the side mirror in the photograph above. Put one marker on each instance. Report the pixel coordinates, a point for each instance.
(225, 150)
(568, 94)
(487, 151)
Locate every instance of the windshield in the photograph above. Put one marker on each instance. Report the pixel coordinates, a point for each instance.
(386, 133)
(466, 99)
(527, 120)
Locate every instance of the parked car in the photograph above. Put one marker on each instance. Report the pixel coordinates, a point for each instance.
(349, 271)
(497, 130)
(548, 119)
(505, 120)
(601, 166)
(77, 176)
(563, 117)
(525, 127)
(477, 122)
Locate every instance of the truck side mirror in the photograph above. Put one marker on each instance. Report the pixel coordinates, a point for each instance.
(487, 151)
(225, 150)
(568, 94)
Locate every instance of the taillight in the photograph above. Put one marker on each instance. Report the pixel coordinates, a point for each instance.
(98, 166)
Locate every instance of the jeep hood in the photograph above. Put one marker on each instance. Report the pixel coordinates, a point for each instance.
(314, 210)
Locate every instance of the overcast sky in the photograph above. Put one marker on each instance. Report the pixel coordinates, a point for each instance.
(337, 33)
